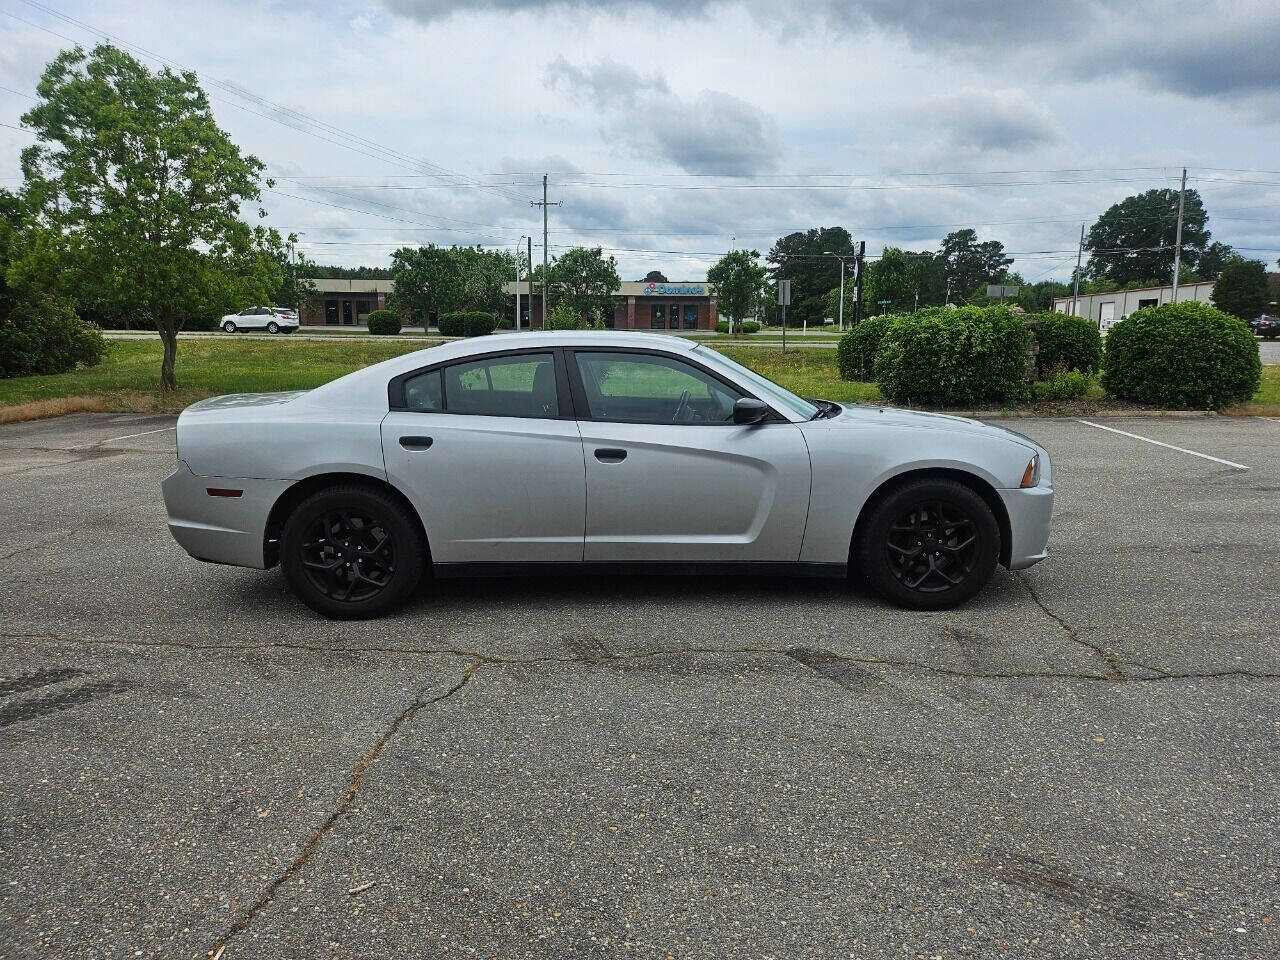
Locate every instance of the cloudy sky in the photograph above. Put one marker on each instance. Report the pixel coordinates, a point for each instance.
(672, 131)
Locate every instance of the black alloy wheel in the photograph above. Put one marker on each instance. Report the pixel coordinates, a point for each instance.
(930, 544)
(352, 552)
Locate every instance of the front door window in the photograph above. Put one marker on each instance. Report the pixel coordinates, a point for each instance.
(652, 388)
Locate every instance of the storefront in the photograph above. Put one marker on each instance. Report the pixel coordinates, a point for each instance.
(673, 307)
(344, 302)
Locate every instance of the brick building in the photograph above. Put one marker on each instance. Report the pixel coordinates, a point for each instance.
(344, 302)
(674, 306)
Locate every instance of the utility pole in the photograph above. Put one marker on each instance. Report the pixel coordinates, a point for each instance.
(1177, 243)
(1075, 292)
(545, 266)
(517, 324)
(860, 263)
(530, 240)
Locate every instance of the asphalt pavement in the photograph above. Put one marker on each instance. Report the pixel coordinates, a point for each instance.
(1081, 762)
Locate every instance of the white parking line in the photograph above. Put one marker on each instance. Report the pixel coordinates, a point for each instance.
(130, 436)
(1161, 443)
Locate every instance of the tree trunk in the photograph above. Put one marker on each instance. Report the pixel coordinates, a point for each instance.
(169, 337)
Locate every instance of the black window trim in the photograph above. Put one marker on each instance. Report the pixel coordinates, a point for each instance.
(395, 387)
(579, 393)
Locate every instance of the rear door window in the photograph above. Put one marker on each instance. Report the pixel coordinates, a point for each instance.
(523, 385)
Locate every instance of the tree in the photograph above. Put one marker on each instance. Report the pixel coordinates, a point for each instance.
(1241, 289)
(970, 264)
(907, 278)
(737, 277)
(1216, 256)
(295, 273)
(1039, 297)
(135, 195)
(655, 276)
(586, 280)
(802, 258)
(1134, 240)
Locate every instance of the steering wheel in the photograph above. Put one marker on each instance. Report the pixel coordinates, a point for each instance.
(681, 408)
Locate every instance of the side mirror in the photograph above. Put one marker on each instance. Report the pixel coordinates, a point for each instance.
(749, 410)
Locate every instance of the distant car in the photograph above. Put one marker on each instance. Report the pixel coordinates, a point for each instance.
(1267, 326)
(270, 319)
(563, 452)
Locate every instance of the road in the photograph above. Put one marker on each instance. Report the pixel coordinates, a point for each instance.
(1080, 762)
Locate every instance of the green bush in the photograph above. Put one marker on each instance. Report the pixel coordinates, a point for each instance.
(856, 352)
(562, 317)
(722, 326)
(1182, 355)
(749, 326)
(954, 357)
(467, 323)
(45, 336)
(1067, 343)
(1061, 385)
(386, 322)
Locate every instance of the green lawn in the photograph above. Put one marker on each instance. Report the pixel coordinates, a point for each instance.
(128, 379)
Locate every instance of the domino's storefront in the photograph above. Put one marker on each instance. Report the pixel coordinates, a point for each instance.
(666, 307)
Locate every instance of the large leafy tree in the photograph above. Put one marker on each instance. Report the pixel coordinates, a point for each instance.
(585, 280)
(907, 278)
(1216, 256)
(738, 278)
(1133, 242)
(136, 195)
(655, 276)
(802, 258)
(1241, 289)
(433, 280)
(971, 263)
(296, 272)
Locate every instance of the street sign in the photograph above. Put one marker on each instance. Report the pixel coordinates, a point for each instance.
(996, 291)
(784, 293)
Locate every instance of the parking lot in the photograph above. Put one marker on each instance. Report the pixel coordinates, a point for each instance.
(1083, 761)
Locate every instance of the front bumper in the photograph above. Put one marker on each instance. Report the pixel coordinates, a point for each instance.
(220, 529)
(1030, 511)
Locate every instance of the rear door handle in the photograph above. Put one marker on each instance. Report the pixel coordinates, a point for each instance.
(610, 455)
(415, 443)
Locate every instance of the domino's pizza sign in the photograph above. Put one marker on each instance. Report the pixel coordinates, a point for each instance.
(675, 290)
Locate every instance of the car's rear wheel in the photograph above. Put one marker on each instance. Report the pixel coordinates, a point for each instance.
(929, 545)
(273, 327)
(229, 326)
(352, 552)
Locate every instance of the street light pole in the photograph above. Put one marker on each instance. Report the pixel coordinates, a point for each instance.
(518, 283)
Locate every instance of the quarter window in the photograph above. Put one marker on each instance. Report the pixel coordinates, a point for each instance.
(423, 392)
(651, 388)
(516, 386)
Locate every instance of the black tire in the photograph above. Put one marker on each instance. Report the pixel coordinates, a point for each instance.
(229, 326)
(273, 327)
(913, 549)
(352, 552)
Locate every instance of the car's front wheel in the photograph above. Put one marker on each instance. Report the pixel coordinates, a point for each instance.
(929, 545)
(229, 327)
(273, 327)
(352, 552)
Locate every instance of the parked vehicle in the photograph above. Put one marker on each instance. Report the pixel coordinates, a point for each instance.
(568, 451)
(270, 319)
(1267, 326)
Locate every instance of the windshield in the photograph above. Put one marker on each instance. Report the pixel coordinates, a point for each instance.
(769, 391)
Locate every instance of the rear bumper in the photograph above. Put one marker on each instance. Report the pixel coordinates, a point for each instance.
(1030, 511)
(220, 529)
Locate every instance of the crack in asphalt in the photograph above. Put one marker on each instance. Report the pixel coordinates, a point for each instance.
(353, 789)
(70, 531)
(481, 659)
(1108, 658)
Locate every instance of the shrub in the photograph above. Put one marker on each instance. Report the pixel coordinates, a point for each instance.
(466, 323)
(1067, 343)
(562, 317)
(1061, 385)
(722, 326)
(856, 352)
(962, 357)
(385, 322)
(749, 326)
(1186, 354)
(45, 336)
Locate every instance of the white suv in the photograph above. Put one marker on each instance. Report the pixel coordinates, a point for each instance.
(270, 319)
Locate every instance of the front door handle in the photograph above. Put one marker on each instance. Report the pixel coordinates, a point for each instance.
(415, 443)
(610, 455)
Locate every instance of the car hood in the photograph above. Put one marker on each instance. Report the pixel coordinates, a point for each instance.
(868, 415)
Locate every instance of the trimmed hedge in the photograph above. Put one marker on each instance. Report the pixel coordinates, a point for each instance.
(722, 326)
(384, 322)
(1067, 343)
(45, 336)
(856, 352)
(954, 357)
(1061, 385)
(749, 326)
(1182, 355)
(467, 323)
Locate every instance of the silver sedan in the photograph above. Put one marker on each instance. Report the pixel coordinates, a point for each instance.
(554, 452)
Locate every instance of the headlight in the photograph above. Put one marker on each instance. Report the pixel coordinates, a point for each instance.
(1031, 475)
